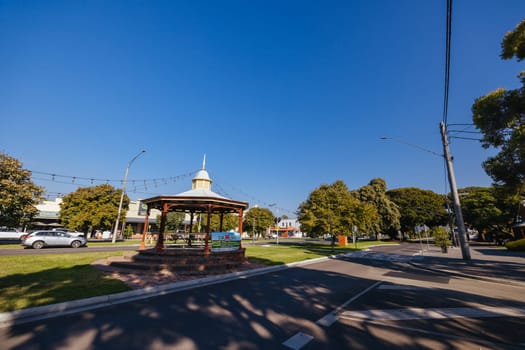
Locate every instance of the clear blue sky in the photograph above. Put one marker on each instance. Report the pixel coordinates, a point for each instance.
(281, 96)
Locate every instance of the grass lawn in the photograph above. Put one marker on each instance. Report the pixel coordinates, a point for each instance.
(35, 280)
(287, 252)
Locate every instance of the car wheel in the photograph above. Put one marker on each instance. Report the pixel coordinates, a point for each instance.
(38, 245)
(76, 244)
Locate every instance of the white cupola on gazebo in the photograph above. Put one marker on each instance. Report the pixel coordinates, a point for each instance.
(202, 179)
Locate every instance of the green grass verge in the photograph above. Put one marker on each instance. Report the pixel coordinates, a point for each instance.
(518, 246)
(35, 280)
(287, 252)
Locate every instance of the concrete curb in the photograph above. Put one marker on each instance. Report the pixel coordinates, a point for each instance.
(8, 319)
(464, 275)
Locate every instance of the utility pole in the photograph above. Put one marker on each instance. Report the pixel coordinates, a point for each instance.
(465, 249)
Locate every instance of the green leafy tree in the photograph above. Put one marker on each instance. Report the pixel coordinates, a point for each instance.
(480, 207)
(418, 207)
(513, 44)
(375, 194)
(91, 208)
(333, 209)
(229, 222)
(500, 116)
(490, 208)
(174, 221)
(18, 194)
(257, 220)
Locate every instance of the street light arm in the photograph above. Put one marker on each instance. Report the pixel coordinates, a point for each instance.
(114, 238)
(411, 145)
(133, 159)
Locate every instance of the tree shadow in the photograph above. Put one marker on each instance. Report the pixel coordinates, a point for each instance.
(259, 312)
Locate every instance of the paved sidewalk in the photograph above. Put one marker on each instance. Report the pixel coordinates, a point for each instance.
(492, 263)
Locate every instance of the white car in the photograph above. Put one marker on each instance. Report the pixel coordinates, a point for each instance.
(72, 233)
(41, 239)
(11, 233)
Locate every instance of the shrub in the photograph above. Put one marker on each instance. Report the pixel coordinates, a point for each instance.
(518, 245)
(441, 236)
(128, 232)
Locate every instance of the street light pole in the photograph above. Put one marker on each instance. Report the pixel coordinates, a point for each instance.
(114, 238)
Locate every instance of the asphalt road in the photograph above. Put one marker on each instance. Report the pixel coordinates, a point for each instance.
(64, 250)
(368, 301)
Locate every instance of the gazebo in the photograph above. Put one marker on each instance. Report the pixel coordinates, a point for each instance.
(199, 200)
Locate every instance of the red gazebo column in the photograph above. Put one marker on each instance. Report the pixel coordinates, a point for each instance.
(240, 226)
(160, 240)
(208, 232)
(144, 231)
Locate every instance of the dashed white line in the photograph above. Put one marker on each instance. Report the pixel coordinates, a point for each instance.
(400, 287)
(434, 313)
(298, 341)
(301, 339)
(328, 319)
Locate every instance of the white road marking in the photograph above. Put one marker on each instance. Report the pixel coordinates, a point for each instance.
(434, 313)
(298, 341)
(380, 256)
(400, 287)
(328, 319)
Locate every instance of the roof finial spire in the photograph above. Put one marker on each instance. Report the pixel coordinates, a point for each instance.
(204, 162)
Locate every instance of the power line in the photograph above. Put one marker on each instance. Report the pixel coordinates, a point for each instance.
(447, 60)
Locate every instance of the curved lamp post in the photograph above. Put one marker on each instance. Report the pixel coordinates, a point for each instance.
(114, 238)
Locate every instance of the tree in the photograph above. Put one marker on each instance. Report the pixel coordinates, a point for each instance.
(489, 209)
(229, 222)
(91, 208)
(174, 220)
(333, 209)
(480, 207)
(375, 194)
(257, 220)
(417, 207)
(18, 194)
(500, 116)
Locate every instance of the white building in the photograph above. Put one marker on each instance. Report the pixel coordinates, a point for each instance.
(49, 216)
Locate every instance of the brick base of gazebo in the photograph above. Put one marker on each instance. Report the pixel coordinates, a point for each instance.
(182, 260)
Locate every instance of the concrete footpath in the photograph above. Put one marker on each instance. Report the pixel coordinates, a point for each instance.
(489, 263)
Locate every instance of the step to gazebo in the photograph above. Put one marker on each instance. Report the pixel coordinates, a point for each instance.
(180, 261)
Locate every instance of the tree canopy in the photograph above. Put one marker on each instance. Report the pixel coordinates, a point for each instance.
(91, 208)
(18, 194)
(500, 116)
(480, 207)
(334, 209)
(174, 220)
(375, 193)
(419, 207)
(229, 222)
(257, 220)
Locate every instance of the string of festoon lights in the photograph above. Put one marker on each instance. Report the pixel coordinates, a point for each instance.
(250, 198)
(134, 185)
(141, 186)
